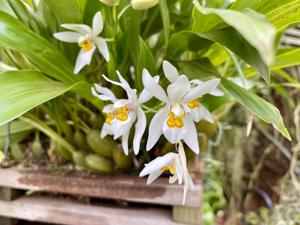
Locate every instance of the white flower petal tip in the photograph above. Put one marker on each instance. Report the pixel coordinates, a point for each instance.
(143, 4)
(97, 24)
(170, 71)
(109, 2)
(67, 36)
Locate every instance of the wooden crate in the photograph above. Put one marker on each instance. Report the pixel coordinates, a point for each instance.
(57, 210)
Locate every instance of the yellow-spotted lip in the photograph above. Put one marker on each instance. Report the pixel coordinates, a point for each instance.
(176, 121)
(120, 114)
(86, 44)
(170, 168)
(193, 104)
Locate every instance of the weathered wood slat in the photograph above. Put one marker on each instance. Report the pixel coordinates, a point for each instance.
(61, 211)
(129, 188)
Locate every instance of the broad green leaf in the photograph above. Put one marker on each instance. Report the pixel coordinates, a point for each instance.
(15, 127)
(200, 68)
(254, 28)
(257, 105)
(145, 61)
(232, 40)
(164, 11)
(14, 35)
(261, 6)
(24, 90)
(18, 131)
(285, 58)
(184, 41)
(285, 16)
(66, 11)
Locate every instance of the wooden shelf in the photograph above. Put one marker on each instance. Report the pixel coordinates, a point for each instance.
(128, 188)
(61, 211)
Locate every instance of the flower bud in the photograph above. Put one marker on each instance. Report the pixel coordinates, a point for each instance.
(109, 2)
(143, 4)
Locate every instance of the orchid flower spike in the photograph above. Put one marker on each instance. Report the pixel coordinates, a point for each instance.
(194, 108)
(175, 119)
(87, 38)
(176, 164)
(123, 113)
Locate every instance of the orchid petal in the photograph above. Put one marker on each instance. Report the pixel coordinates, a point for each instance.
(205, 114)
(179, 171)
(179, 88)
(216, 92)
(140, 127)
(81, 28)
(145, 95)
(103, 93)
(153, 88)
(158, 163)
(125, 141)
(174, 134)
(191, 138)
(106, 130)
(131, 93)
(153, 176)
(170, 71)
(201, 89)
(195, 113)
(155, 127)
(121, 127)
(83, 59)
(102, 48)
(97, 24)
(173, 179)
(68, 36)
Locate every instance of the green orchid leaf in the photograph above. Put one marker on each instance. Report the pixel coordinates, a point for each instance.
(145, 61)
(232, 40)
(257, 105)
(184, 41)
(15, 35)
(23, 90)
(164, 11)
(18, 131)
(66, 11)
(285, 16)
(284, 58)
(247, 23)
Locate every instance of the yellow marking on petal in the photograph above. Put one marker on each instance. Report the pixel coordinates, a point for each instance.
(175, 121)
(193, 104)
(170, 168)
(109, 117)
(86, 45)
(122, 113)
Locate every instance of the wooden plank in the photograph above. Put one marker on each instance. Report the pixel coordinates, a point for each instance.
(8, 194)
(66, 212)
(128, 188)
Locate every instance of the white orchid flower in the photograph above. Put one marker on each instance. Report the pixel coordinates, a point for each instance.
(176, 164)
(123, 113)
(87, 38)
(173, 120)
(194, 108)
